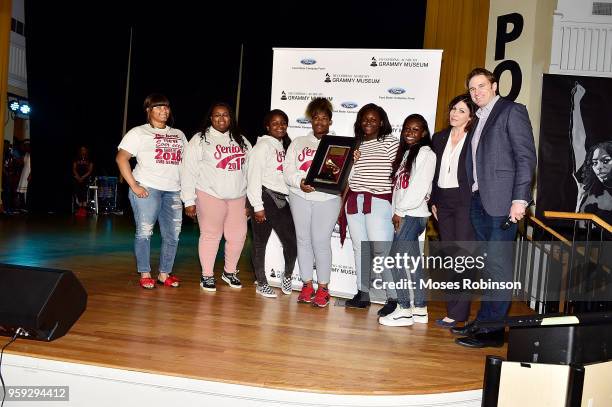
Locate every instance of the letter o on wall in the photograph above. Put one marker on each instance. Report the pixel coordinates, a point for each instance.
(517, 77)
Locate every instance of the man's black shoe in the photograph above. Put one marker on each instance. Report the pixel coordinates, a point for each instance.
(469, 328)
(388, 308)
(359, 300)
(493, 339)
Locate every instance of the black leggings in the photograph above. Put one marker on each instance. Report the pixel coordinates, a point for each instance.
(279, 220)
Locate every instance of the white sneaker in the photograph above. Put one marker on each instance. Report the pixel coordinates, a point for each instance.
(419, 315)
(265, 290)
(399, 317)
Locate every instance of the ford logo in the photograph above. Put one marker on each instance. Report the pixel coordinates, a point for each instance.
(396, 91)
(308, 61)
(302, 120)
(349, 105)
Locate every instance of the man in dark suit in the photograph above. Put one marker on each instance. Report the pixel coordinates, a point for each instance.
(500, 165)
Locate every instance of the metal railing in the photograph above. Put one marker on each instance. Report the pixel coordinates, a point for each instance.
(564, 274)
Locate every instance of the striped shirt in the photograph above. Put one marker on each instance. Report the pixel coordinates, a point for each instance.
(371, 171)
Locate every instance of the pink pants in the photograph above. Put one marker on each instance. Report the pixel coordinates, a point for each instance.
(218, 217)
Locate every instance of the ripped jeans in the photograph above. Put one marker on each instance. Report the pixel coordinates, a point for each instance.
(160, 206)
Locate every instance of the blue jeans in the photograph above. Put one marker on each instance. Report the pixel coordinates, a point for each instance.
(407, 240)
(494, 304)
(160, 206)
(375, 228)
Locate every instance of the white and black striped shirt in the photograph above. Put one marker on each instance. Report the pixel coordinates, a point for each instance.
(371, 172)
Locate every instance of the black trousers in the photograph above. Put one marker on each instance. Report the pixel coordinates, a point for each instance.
(454, 225)
(279, 220)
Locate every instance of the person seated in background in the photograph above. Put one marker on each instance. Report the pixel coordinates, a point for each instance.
(82, 168)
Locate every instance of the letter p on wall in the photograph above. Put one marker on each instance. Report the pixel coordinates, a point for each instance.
(503, 36)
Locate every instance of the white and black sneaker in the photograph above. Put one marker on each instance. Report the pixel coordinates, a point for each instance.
(231, 279)
(265, 290)
(208, 283)
(286, 285)
(419, 315)
(399, 317)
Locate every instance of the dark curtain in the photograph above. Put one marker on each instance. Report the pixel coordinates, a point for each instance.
(77, 65)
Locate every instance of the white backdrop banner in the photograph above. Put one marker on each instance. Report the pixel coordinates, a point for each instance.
(400, 81)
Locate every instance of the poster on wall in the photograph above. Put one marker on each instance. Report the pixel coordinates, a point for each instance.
(575, 151)
(400, 81)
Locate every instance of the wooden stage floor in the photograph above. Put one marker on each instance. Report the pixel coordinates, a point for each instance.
(231, 336)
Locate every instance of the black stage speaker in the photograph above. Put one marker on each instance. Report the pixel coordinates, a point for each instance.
(562, 339)
(45, 303)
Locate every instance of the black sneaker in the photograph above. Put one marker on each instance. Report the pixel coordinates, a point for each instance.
(389, 307)
(286, 286)
(231, 279)
(208, 283)
(359, 300)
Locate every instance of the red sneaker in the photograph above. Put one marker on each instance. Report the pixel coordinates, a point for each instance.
(321, 298)
(306, 294)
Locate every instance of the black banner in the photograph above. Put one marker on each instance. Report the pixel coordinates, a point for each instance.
(575, 151)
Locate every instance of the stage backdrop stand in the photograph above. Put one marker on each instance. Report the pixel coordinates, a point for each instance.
(401, 81)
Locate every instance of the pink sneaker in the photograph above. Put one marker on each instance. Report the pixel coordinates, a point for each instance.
(306, 294)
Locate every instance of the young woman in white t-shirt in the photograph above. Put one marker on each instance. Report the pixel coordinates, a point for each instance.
(213, 186)
(154, 187)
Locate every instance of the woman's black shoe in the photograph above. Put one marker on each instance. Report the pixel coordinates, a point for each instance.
(359, 300)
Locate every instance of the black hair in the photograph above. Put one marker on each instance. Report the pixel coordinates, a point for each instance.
(268, 117)
(157, 99)
(78, 153)
(385, 129)
(319, 105)
(591, 182)
(234, 130)
(413, 150)
(467, 99)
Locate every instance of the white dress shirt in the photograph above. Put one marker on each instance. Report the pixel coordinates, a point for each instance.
(449, 163)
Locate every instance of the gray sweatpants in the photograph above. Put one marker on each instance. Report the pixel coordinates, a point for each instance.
(314, 223)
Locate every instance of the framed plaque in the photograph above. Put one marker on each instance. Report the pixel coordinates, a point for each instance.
(331, 164)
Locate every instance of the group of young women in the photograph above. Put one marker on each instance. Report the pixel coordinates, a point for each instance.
(388, 198)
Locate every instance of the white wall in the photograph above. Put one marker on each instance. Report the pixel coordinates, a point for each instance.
(18, 11)
(580, 11)
(531, 50)
(581, 43)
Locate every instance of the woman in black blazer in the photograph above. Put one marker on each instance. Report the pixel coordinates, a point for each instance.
(451, 192)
